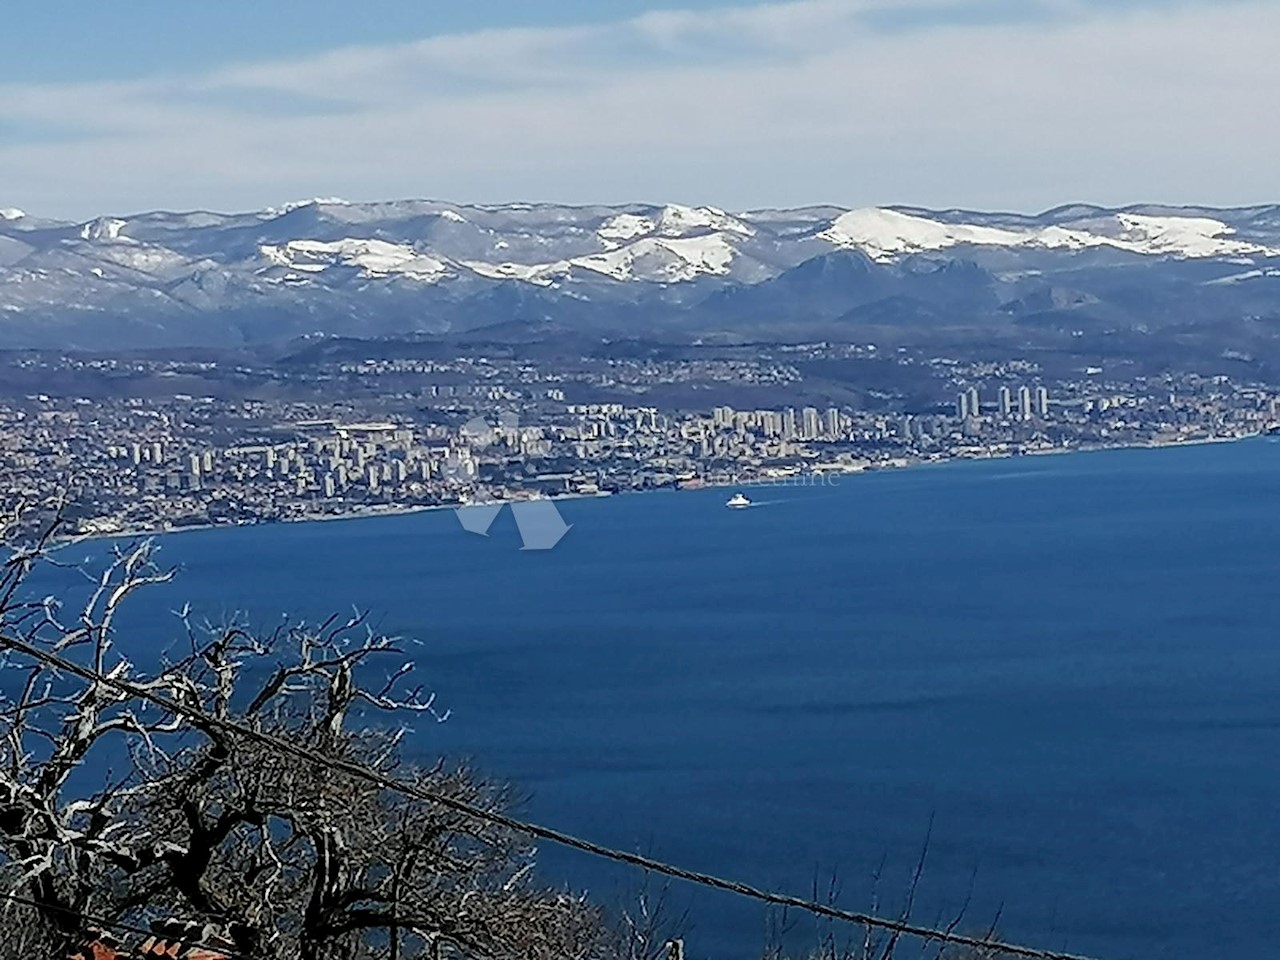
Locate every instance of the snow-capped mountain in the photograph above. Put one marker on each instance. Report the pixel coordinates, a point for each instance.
(418, 265)
(888, 234)
(374, 258)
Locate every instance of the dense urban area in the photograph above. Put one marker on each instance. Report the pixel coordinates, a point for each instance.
(162, 443)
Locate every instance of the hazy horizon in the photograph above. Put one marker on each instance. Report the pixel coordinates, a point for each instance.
(972, 104)
(657, 203)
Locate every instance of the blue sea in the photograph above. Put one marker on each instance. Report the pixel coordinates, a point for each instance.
(1061, 673)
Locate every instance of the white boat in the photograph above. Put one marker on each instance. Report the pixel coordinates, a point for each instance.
(738, 501)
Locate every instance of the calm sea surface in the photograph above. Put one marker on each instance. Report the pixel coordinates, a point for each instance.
(1069, 665)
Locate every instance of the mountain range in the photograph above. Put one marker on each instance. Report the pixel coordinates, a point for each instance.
(328, 267)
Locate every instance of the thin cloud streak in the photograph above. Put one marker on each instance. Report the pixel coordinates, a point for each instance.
(782, 104)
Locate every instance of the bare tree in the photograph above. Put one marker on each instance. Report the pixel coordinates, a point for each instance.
(649, 927)
(292, 857)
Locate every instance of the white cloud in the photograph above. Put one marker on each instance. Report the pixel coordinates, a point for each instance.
(778, 104)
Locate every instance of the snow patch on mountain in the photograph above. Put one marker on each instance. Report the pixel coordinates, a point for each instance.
(652, 259)
(672, 221)
(677, 221)
(886, 235)
(299, 204)
(624, 227)
(1184, 237)
(664, 260)
(374, 258)
(542, 274)
(104, 229)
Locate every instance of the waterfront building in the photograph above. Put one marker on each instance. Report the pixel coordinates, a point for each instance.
(1006, 401)
(834, 430)
(812, 427)
(789, 423)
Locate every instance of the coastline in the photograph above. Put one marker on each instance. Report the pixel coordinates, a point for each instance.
(365, 513)
(816, 476)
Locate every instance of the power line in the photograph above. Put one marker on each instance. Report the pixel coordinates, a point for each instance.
(899, 927)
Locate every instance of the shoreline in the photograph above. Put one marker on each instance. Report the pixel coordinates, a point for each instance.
(818, 475)
(390, 510)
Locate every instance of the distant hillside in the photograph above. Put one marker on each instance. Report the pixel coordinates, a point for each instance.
(418, 266)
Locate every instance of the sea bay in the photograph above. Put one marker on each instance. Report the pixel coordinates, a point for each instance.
(1062, 671)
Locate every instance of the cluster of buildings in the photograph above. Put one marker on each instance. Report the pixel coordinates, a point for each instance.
(808, 423)
(324, 457)
(1030, 403)
(518, 429)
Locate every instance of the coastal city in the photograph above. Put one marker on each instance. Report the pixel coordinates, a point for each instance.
(409, 435)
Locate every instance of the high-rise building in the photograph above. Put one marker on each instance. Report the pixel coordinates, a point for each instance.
(789, 423)
(1024, 402)
(962, 406)
(1006, 401)
(834, 429)
(812, 428)
(1042, 401)
(975, 404)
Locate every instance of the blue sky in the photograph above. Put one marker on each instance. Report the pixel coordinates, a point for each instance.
(1017, 104)
(87, 39)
